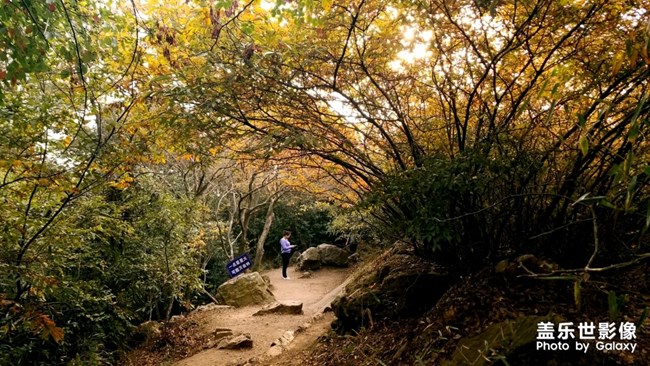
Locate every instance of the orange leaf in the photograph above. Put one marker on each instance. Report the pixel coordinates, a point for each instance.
(47, 328)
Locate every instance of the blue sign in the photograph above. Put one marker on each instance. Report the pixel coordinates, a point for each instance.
(238, 265)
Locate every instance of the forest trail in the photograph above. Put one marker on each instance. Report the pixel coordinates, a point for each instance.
(316, 293)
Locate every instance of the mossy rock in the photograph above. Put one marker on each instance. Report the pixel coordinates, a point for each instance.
(497, 341)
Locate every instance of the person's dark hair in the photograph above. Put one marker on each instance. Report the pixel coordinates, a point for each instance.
(286, 232)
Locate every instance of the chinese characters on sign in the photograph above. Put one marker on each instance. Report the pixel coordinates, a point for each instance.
(608, 336)
(238, 265)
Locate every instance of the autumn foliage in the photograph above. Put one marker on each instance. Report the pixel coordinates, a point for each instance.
(144, 143)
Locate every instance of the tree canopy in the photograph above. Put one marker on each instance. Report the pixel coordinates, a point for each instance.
(144, 143)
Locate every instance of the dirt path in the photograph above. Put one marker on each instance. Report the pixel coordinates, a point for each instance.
(315, 293)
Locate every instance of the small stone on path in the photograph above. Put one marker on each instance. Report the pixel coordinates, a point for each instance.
(212, 306)
(220, 333)
(236, 342)
(286, 338)
(286, 307)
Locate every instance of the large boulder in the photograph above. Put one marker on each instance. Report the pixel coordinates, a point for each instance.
(295, 258)
(244, 290)
(309, 260)
(267, 279)
(331, 255)
(395, 285)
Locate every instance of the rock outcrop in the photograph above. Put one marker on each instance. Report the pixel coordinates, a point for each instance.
(396, 285)
(244, 290)
(323, 255)
(309, 260)
(331, 255)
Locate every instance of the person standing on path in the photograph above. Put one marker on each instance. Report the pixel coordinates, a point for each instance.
(285, 251)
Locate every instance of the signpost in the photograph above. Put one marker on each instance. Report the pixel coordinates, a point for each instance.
(238, 265)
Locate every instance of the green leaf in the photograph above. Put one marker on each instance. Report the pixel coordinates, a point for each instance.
(602, 114)
(639, 107)
(630, 193)
(606, 203)
(584, 145)
(223, 4)
(634, 133)
(543, 88)
(554, 91)
(87, 56)
(612, 301)
(628, 162)
(247, 28)
(628, 47)
(160, 78)
(65, 53)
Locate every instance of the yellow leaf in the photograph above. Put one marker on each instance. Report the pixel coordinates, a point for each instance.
(617, 64)
(327, 5)
(584, 145)
(159, 159)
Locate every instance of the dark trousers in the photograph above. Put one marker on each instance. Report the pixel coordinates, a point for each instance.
(285, 263)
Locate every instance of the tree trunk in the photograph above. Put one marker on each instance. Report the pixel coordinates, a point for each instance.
(243, 223)
(208, 294)
(168, 313)
(259, 250)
